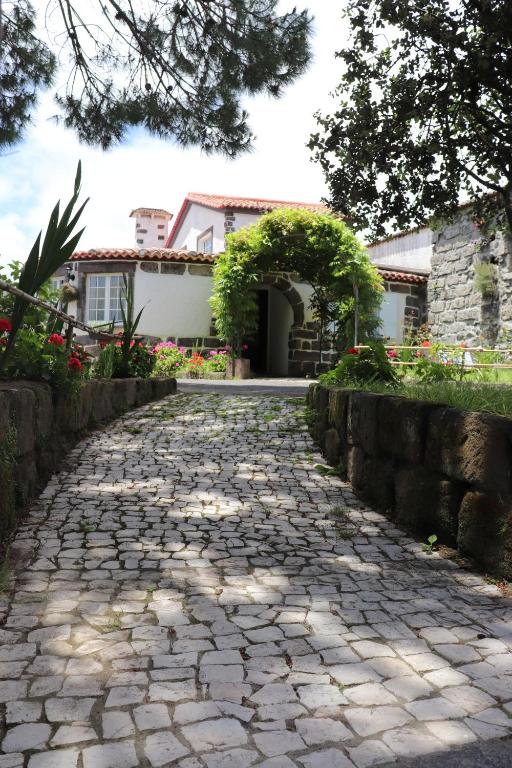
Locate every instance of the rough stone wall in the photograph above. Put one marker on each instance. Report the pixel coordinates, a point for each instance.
(432, 468)
(36, 431)
(457, 311)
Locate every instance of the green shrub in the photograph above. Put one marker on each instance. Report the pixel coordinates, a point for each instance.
(104, 365)
(140, 362)
(169, 359)
(39, 357)
(362, 366)
(217, 361)
(431, 371)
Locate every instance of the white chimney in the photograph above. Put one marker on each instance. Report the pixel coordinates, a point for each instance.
(151, 227)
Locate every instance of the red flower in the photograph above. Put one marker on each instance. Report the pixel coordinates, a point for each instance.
(425, 343)
(392, 354)
(74, 364)
(352, 351)
(56, 339)
(5, 325)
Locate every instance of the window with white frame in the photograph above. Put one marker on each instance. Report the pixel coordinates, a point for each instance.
(205, 241)
(104, 296)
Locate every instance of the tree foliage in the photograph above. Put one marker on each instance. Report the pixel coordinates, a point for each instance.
(177, 67)
(424, 114)
(320, 248)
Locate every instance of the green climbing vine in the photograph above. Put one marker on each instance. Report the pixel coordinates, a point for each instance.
(321, 249)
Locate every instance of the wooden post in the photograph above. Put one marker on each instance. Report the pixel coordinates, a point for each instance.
(69, 336)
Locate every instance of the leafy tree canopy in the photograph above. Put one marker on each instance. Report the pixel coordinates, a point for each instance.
(425, 112)
(320, 248)
(177, 67)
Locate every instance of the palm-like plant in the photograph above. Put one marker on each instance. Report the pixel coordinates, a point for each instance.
(44, 260)
(129, 325)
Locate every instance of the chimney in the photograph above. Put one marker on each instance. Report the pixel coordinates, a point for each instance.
(151, 227)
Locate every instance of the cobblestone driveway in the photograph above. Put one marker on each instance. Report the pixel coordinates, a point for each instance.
(198, 594)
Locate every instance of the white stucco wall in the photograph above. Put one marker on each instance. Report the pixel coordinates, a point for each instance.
(157, 230)
(392, 315)
(174, 305)
(195, 222)
(244, 219)
(280, 319)
(305, 291)
(413, 251)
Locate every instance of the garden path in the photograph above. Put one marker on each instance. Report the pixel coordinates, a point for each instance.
(197, 593)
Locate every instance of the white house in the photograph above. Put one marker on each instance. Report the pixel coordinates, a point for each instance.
(174, 283)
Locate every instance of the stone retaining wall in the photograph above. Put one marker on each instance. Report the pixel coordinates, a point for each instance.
(36, 431)
(432, 468)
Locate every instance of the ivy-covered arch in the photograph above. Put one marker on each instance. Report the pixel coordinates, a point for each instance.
(321, 250)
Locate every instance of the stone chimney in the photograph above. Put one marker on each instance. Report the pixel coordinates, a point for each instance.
(151, 227)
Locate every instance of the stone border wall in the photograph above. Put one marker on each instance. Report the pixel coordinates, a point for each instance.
(36, 432)
(432, 468)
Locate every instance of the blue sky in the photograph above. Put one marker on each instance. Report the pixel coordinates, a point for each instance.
(145, 171)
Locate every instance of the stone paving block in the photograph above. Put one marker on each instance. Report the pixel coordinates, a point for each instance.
(326, 758)
(413, 742)
(233, 758)
(369, 753)
(277, 743)
(162, 748)
(73, 734)
(22, 711)
(120, 754)
(213, 734)
(469, 698)
(26, 736)
(435, 708)
(317, 730)
(452, 733)
(367, 722)
(117, 725)
(57, 758)
(68, 710)
(194, 711)
(369, 694)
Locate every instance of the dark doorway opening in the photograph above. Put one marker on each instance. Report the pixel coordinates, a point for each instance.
(258, 343)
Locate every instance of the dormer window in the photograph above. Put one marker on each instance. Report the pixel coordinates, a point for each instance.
(205, 241)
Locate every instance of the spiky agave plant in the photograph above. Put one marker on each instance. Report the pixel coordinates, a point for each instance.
(44, 260)
(129, 325)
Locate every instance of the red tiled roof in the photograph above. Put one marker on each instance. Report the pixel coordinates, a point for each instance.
(142, 254)
(223, 202)
(192, 257)
(392, 276)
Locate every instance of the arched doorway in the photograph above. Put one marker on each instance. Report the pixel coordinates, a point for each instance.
(280, 312)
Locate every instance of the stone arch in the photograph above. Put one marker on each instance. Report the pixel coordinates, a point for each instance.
(303, 339)
(283, 284)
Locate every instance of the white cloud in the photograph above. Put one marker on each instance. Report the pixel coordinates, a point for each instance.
(151, 172)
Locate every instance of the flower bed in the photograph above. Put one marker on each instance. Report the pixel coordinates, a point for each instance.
(171, 360)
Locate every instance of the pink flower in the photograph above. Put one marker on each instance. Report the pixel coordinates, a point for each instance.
(245, 347)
